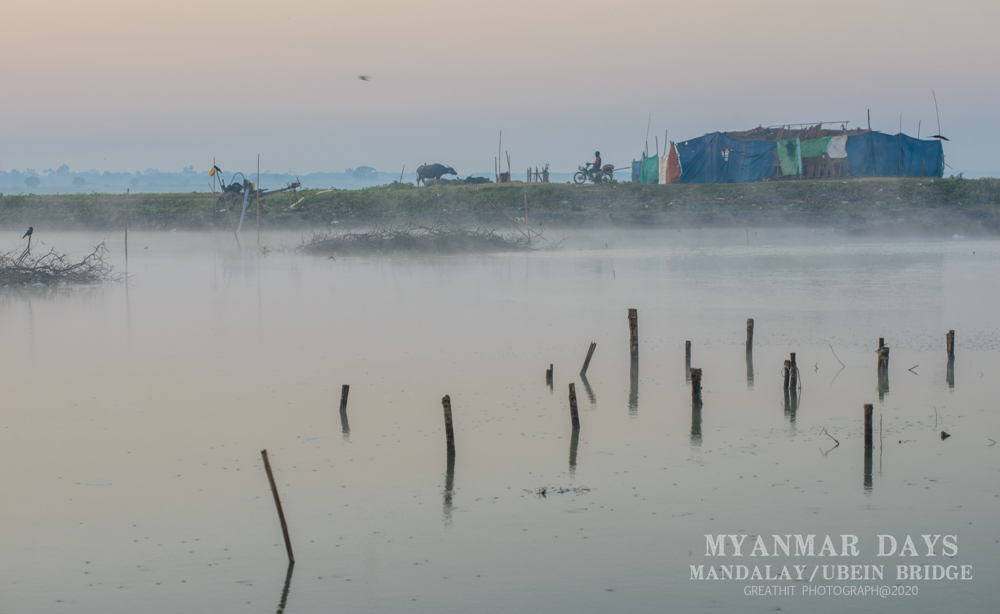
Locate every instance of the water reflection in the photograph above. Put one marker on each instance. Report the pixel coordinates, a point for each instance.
(344, 426)
(633, 392)
(791, 407)
(868, 470)
(548, 378)
(951, 372)
(883, 384)
(573, 443)
(284, 591)
(750, 369)
(696, 422)
(590, 391)
(449, 487)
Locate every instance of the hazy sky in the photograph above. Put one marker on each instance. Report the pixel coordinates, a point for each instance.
(126, 86)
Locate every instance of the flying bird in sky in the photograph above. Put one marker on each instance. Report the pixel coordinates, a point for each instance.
(364, 77)
(31, 229)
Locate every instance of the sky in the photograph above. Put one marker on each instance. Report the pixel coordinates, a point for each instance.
(126, 86)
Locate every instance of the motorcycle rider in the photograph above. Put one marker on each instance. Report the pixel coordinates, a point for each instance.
(596, 167)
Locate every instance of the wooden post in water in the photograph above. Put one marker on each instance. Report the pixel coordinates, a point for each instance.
(548, 375)
(793, 384)
(883, 356)
(590, 354)
(883, 370)
(868, 448)
(949, 340)
(574, 414)
(687, 361)
(448, 428)
(787, 371)
(277, 503)
(869, 409)
(344, 426)
(344, 391)
(633, 332)
(695, 383)
(749, 335)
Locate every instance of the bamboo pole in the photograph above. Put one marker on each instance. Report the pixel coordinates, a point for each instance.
(258, 200)
(127, 190)
(277, 503)
(528, 227)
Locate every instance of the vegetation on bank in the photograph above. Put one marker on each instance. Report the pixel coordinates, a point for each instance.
(412, 238)
(940, 205)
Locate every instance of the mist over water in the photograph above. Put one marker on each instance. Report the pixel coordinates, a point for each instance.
(135, 415)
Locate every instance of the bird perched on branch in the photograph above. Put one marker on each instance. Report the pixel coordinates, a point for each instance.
(31, 229)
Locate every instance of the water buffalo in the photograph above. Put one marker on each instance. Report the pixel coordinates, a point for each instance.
(433, 171)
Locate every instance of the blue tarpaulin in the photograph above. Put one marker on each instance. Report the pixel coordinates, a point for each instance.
(874, 154)
(636, 169)
(717, 158)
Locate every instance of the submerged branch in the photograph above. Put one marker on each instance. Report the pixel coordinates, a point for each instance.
(52, 268)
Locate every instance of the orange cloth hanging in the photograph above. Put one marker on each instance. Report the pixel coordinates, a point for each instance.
(673, 165)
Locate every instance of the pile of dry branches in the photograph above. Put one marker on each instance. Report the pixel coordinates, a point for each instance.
(20, 268)
(416, 239)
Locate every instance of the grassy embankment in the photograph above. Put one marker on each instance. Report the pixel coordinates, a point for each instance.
(938, 206)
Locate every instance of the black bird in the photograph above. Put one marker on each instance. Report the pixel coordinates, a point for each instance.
(364, 77)
(31, 229)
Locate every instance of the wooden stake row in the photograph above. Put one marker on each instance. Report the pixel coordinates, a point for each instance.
(694, 375)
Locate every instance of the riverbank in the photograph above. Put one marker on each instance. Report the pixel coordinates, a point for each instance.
(891, 206)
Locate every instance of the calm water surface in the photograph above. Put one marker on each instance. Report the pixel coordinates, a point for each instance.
(134, 416)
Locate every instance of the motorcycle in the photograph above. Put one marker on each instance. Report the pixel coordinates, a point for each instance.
(606, 173)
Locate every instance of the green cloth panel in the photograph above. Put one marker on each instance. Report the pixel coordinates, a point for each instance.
(650, 169)
(788, 155)
(815, 147)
